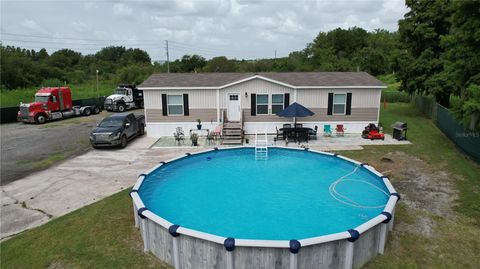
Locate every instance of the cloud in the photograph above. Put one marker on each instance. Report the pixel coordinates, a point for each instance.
(121, 9)
(90, 5)
(234, 28)
(33, 25)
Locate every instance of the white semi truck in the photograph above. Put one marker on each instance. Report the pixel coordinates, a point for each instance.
(126, 97)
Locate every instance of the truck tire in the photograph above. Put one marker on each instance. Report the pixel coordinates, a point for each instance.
(121, 107)
(40, 119)
(124, 142)
(87, 111)
(141, 130)
(96, 110)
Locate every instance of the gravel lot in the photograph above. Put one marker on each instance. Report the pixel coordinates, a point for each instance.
(26, 148)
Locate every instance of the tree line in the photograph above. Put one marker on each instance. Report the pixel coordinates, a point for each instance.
(21, 68)
(337, 50)
(440, 54)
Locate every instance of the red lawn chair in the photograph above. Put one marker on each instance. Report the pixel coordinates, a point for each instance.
(340, 130)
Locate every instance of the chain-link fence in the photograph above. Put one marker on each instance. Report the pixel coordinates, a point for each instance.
(467, 141)
(426, 104)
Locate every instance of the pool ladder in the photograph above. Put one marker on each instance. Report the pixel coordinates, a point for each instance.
(261, 147)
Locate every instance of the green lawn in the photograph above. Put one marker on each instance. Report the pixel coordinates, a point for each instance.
(87, 89)
(102, 235)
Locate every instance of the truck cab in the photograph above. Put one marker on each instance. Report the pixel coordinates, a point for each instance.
(126, 97)
(52, 103)
(55, 99)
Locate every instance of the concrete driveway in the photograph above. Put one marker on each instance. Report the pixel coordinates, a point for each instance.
(58, 190)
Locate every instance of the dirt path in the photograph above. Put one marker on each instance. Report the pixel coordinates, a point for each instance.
(429, 192)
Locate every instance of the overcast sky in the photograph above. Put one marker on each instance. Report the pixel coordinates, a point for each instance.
(235, 28)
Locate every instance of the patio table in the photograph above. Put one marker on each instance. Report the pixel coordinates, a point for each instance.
(298, 133)
(199, 130)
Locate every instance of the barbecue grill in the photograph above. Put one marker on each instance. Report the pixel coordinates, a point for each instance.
(400, 130)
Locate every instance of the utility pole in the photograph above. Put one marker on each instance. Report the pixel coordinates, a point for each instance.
(97, 85)
(275, 54)
(168, 57)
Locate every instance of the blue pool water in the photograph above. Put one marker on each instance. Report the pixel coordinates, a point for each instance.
(292, 195)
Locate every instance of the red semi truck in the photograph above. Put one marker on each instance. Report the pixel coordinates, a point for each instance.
(52, 104)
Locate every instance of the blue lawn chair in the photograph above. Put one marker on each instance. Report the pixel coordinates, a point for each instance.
(327, 130)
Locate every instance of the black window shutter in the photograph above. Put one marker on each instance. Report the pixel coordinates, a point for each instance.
(348, 110)
(330, 103)
(186, 111)
(253, 104)
(164, 105)
(286, 100)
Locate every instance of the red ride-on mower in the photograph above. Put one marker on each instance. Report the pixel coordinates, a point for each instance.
(374, 134)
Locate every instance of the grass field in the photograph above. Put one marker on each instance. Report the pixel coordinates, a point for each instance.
(102, 235)
(9, 98)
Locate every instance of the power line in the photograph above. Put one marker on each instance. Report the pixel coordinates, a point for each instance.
(81, 39)
(79, 44)
(73, 48)
(115, 40)
(199, 50)
(216, 49)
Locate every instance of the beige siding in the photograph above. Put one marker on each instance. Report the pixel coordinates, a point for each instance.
(152, 99)
(253, 86)
(203, 103)
(358, 114)
(206, 115)
(196, 98)
(319, 97)
(247, 116)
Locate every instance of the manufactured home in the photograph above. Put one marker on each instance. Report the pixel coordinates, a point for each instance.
(253, 99)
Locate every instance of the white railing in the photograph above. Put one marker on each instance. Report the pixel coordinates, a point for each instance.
(261, 147)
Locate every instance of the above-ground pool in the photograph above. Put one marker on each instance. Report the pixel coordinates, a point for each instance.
(297, 209)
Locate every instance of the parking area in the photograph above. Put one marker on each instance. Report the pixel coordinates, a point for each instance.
(26, 148)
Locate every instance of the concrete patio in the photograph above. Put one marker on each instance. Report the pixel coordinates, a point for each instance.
(329, 143)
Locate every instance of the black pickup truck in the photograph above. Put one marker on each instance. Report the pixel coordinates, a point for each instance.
(117, 130)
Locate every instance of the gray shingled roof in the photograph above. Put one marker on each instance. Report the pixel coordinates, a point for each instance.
(291, 78)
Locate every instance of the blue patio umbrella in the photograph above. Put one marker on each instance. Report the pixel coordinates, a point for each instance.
(295, 110)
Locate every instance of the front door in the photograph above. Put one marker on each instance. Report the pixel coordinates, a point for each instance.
(233, 111)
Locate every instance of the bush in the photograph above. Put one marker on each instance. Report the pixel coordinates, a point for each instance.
(52, 82)
(76, 77)
(133, 74)
(396, 97)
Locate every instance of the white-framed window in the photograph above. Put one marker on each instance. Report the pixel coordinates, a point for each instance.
(233, 97)
(339, 103)
(175, 104)
(277, 103)
(262, 104)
